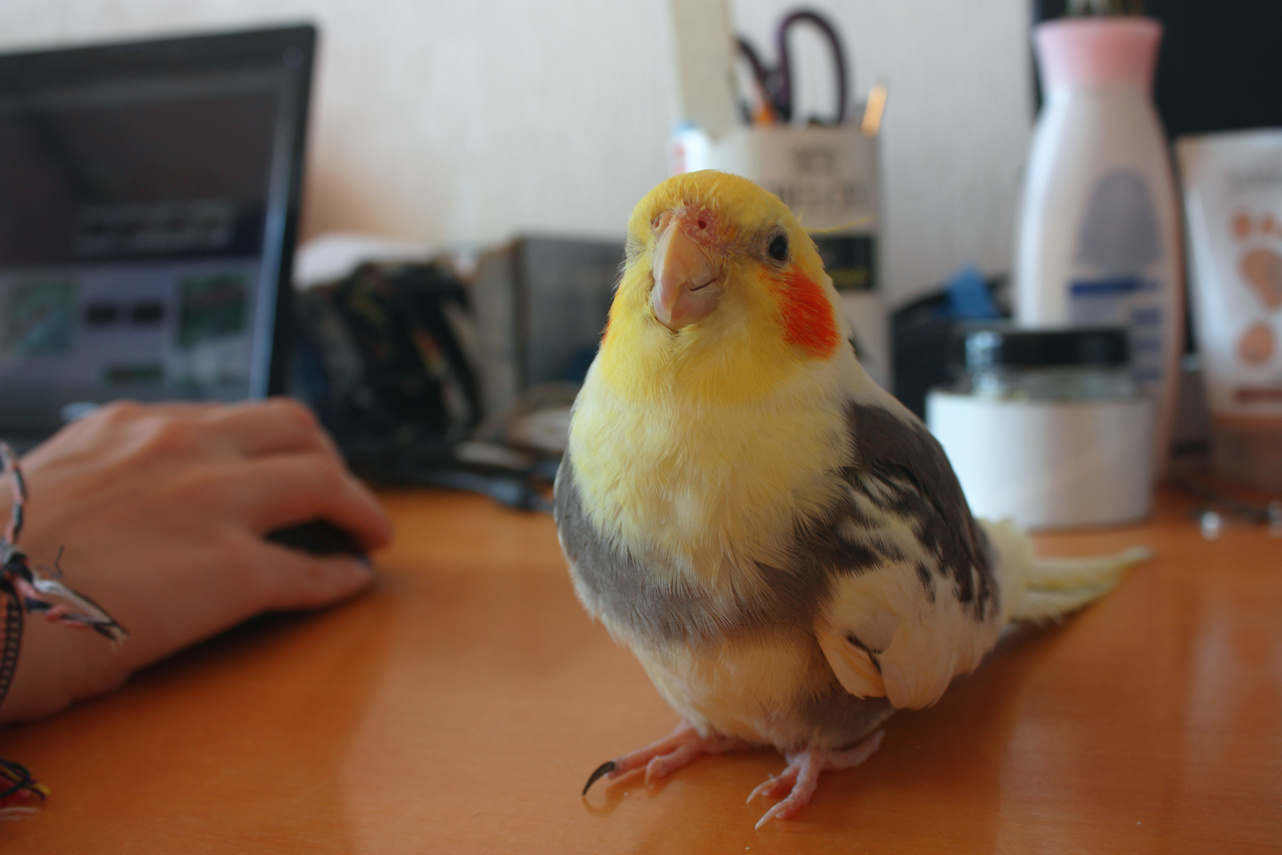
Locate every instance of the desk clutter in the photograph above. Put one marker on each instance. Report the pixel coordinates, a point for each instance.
(443, 373)
(492, 366)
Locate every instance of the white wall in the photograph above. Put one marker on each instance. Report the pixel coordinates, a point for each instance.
(466, 122)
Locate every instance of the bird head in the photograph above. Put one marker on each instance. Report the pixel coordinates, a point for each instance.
(722, 291)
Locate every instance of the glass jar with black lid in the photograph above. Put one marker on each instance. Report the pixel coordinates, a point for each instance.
(1061, 364)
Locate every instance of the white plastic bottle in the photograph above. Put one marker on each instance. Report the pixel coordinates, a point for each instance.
(1098, 238)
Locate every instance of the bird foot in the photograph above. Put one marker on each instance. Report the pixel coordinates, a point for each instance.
(666, 756)
(801, 777)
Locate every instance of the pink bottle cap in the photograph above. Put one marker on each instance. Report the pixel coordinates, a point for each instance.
(1118, 51)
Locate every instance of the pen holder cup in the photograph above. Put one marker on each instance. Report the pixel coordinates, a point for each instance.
(829, 177)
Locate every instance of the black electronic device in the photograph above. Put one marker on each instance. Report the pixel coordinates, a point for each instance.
(149, 200)
(318, 537)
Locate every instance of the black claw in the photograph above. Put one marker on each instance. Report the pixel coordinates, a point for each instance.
(604, 769)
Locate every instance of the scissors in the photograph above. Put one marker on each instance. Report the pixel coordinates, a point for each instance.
(776, 83)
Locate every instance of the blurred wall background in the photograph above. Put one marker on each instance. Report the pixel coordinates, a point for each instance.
(460, 124)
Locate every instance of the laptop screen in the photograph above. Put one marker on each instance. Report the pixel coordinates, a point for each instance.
(148, 210)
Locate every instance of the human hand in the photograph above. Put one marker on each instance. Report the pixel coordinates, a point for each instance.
(161, 512)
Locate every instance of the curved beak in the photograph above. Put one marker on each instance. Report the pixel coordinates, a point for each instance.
(686, 284)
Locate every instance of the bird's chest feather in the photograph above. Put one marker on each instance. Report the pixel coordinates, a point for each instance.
(679, 519)
(751, 688)
(705, 491)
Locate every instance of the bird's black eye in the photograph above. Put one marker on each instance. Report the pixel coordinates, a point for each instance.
(778, 248)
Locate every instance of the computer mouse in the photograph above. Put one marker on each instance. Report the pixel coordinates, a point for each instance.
(318, 537)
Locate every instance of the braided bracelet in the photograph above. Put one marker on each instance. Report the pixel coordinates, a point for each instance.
(37, 591)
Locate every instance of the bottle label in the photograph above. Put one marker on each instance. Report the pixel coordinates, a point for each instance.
(1119, 250)
(1130, 301)
(849, 260)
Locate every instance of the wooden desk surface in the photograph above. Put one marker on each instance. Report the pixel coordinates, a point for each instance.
(461, 704)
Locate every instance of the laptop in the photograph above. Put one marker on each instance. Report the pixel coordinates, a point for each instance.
(149, 200)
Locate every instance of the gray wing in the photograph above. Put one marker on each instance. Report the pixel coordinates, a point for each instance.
(914, 601)
(903, 468)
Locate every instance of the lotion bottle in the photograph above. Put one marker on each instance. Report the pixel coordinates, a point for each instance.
(1098, 239)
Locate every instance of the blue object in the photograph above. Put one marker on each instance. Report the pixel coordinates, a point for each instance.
(968, 296)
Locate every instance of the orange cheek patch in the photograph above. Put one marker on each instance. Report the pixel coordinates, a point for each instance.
(807, 316)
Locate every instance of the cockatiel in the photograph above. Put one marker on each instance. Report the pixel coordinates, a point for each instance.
(781, 543)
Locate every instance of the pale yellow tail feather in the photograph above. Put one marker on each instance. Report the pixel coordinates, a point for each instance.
(1040, 589)
(1067, 574)
(1058, 586)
